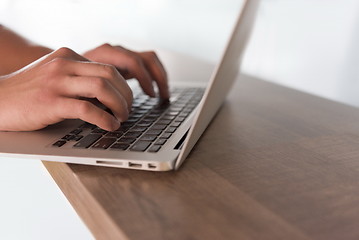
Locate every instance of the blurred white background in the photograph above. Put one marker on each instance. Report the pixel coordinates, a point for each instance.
(309, 45)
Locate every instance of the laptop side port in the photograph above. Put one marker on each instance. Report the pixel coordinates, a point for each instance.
(135, 165)
(151, 166)
(109, 163)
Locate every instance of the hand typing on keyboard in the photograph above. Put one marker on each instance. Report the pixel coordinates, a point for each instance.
(48, 91)
(55, 87)
(144, 66)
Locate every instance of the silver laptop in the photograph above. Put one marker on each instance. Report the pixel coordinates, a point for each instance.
(158, 135)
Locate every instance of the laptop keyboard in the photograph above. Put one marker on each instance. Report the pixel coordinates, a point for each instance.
(150, 124)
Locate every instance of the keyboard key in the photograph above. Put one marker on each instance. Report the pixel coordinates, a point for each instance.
(133, 134)
(168, 117)
(180, 119)
(175, 124)
(160, 141)
(154, 115)
(154, 148)
(114, 134)
(150, 103)
(99, 130)
(76, 131)
(68, 137)
(185, 111)
(125, 126)
(104, 143)
(172, 113)
(171, 129)
(164, 122)
(191, 105)
(88, 140)
(59, 143)
(166, 135)
(144, 107)
(126, 140)
(176, 109)
(132, 120)
(148, 137)
(140, 146)
(158, 111)
(150, 119)
(140, 111)
(183, 114)
(77, 137)
(137, 115)
(119, 131)
(154, 132)
(144, 124)
(138, 129)
(120, 146)
(158, 127)
(136, 105)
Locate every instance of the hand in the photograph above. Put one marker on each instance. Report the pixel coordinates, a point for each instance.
(52, 89)
(144, 66)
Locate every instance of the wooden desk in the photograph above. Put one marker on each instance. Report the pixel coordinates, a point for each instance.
(274, 164)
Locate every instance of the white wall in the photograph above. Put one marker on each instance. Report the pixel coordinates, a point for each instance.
(306, 44)
(310, 45)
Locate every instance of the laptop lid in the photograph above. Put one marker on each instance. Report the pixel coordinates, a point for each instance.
(222, 78)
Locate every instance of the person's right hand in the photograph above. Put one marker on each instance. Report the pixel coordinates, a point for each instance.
(52, 89)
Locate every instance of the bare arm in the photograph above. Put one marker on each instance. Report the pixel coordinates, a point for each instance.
(50, 89)
(17, 52)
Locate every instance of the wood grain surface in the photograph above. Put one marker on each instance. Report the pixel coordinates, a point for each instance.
(275, 163)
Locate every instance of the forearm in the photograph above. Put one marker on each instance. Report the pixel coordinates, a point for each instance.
(17, 52)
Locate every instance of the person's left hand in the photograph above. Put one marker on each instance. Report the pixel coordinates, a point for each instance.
(144, 66)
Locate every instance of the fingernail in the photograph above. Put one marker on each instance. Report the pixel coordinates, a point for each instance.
(115, 124)
(152, 93)
(119, 119)
(167, 94)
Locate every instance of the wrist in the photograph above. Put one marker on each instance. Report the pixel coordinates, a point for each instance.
(28, 55)
(32, 53)
(17, 52)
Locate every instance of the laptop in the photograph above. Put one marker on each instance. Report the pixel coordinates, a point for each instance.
(158, 135)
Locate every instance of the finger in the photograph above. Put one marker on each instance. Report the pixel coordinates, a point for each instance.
(137, 69)
(69, 108)
(91, 69)
(95, 87)
(131, 64)
(157, 71)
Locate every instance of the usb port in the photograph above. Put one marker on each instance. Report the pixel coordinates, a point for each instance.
(151, 166)
(135, 165)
